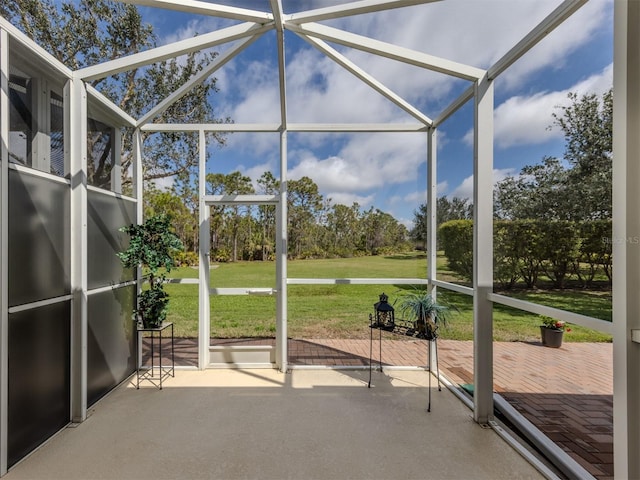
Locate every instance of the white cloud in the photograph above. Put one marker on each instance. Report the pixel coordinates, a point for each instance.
(367, 161)
(465, 189)
(525, 120)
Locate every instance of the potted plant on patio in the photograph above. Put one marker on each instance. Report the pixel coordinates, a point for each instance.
(420, 307)
(551, 332)
(151, 246)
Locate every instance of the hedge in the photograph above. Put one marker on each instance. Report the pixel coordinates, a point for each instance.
(526, 249)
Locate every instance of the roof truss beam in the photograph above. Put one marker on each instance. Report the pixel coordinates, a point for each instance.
(352, 8)
(368, 79)
(196, 80)
(276, 8)
(206, 8)
(544, 28)
(388, 50)
(171, 50)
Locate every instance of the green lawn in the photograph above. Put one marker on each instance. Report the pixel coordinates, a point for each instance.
(342, 311)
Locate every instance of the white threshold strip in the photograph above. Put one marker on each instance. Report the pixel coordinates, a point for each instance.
(39, 303)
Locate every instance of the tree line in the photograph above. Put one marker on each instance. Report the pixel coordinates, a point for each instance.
(316, 227)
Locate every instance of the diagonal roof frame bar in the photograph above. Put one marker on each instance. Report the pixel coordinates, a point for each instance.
(206, 8)
(455, 105)
(545, 27)
(109, 106)
(197, 79)
(388, 50)
(276, 9)
(368, 79)
(352, 8)
(171, 50)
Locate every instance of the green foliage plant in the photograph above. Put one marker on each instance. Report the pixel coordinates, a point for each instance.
(152, 246)
(456, 239)
(420, 307)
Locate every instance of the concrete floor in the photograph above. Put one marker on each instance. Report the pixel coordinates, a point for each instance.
(308, 424)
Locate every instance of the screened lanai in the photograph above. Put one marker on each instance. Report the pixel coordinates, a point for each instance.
(66, 302)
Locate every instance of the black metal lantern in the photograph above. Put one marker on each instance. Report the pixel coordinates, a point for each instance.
(385, 316)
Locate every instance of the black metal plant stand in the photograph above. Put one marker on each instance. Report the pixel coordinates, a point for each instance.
(403, 328)
(156, 373)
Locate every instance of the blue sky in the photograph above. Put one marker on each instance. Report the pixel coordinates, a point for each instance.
(388, 170)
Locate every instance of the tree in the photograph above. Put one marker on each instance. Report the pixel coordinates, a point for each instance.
(237, 184)
(343, 225)
(86, 32)
(304, 204)
(183, 219)
(587, 124)
(539, 192)
(226, 222)
(578, 189)
(267, 185)
(455, 209)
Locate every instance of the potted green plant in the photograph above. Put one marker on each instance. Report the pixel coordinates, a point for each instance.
(552, 331)
(151, 246)
(420, 307)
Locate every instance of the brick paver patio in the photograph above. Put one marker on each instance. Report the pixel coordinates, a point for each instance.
(567, 393)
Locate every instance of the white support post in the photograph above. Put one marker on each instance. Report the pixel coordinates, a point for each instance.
(432, 249)
(75, 108)
(138, 175)
(116, 170)
(4, 245)
(432, 199)
(204, 312)
(281, 261)
(483, 252)
(626, 231)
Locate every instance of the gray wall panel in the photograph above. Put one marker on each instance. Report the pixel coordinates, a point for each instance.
(39, 377)
(39, 246)
(107, 215)
(111, 348)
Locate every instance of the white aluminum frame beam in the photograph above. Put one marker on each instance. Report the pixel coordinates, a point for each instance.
(292, 127)
(76, 150)
(172, 50)
(432, 202)
(352, 8)
(4, 245)
(388, 50)
(544, 28)
(626, 226)
(112, 110)
(241, 200)
(197, 79)
(483, 252)
(204, 303)
(276, 8)
(455, 105)
(282, 236)
(357, 281)
(138, 172)
(352, 68)
(206, 8)
(40, 53)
